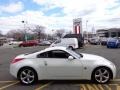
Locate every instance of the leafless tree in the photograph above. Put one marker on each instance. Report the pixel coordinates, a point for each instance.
(59, 33)
(16, 34)
(1, 33)
(39, 30)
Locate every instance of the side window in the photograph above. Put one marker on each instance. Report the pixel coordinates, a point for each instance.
(58, 54)
(42, 55)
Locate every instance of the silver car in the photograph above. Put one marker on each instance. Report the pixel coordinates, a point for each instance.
(62, 64)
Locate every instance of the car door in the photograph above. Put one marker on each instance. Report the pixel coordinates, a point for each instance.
(58, 65)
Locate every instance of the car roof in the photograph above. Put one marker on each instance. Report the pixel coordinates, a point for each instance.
(49, 49)
(72, 35)
(55, 48)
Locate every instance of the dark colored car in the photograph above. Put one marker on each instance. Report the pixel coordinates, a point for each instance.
(28, 43)
(79, 38)
(1, 43)
(113, 43)
(103, 41)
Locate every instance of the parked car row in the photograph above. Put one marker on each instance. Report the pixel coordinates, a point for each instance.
(94, 41)
(29, 43)
(109, 42)
(103, 41)
(113, 43)
(72, 41)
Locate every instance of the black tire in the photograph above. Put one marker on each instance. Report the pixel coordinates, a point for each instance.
(20, 46)
(101, 75)
(27, 76)
(118, 46)
(108, 47)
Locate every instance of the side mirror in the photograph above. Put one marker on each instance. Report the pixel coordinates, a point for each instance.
(70, 58)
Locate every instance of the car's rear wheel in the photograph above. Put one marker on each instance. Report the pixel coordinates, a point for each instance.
(101, 75)
(27, 76)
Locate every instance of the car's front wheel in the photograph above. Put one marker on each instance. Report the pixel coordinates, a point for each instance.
(27, 76)
(101, 75)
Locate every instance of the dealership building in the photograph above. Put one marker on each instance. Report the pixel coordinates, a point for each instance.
(113, 32)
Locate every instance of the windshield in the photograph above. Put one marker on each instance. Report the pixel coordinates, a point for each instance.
(112, 39)
(74, 53)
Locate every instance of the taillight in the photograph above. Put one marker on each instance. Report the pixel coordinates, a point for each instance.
(16, 60)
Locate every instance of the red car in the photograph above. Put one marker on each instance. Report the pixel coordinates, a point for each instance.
(28, 43)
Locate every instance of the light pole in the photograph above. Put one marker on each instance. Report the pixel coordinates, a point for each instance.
(87, 28)
(25, 30)
(52, 34)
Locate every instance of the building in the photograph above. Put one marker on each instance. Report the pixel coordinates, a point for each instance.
(2, 40)
(113, 32)
(102, 33)
(77, 26)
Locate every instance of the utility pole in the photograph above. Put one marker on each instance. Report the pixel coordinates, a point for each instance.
(25, 29)
(87, 28)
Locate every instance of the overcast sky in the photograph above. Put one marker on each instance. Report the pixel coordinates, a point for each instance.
(55, 14)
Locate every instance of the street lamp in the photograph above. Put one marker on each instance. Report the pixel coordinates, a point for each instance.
(25, 30)
(87, 28)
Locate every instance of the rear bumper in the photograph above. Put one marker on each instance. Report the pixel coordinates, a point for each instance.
(13, 70)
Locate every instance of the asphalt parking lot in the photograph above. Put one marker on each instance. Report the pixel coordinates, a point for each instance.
(7, 82)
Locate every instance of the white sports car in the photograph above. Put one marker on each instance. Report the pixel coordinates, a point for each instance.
(60, 63)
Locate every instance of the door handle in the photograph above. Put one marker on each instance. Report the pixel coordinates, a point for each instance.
(45, 62)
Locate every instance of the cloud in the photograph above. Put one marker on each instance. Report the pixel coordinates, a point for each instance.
(99, 13)
(35, 18)
(80, 8)
(68, 6)
(12, 7)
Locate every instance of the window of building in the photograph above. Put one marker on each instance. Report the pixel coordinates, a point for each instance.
(106, 34)
(118, 34)
(113, 34)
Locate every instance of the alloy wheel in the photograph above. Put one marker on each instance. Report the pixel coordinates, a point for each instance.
(27, 76)
(102, 75)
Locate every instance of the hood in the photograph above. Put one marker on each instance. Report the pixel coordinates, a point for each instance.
(93, 57)
(97, 60)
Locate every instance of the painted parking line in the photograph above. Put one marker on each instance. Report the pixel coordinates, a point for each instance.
(96, 87)
(118, 87)
(82, 86)
(43, 86)
(7, 81)
(99, 86)
(118, 80)
(6, 86)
